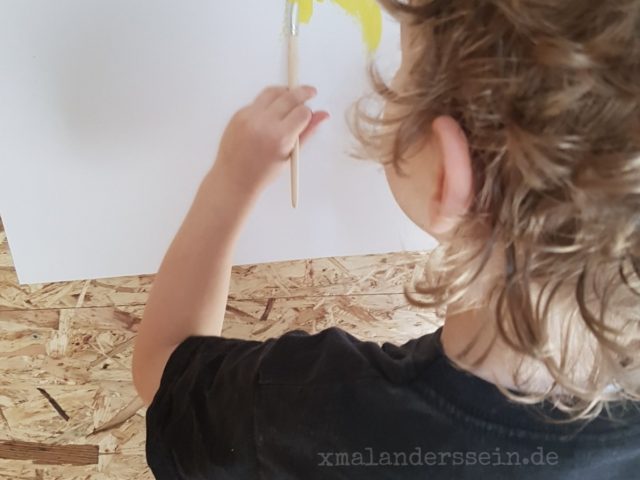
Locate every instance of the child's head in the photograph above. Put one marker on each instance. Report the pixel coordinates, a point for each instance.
(517, 125)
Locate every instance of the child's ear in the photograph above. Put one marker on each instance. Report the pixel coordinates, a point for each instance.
(455, 192)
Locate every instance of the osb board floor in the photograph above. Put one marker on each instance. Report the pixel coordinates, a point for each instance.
(68, 409)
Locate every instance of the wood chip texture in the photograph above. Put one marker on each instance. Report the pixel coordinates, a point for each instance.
(68, 409)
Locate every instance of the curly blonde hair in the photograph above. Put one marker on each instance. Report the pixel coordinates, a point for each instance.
(548, 95)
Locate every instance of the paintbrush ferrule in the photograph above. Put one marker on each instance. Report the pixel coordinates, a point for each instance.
(293, 18)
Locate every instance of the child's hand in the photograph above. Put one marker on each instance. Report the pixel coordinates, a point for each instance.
(260, 138)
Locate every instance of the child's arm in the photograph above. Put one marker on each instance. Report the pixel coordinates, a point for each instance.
(189, 294)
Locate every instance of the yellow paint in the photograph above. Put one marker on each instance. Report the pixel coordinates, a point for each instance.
(305, 9)
(366, 12)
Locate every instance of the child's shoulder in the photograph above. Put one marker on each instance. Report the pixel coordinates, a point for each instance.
(332, 356)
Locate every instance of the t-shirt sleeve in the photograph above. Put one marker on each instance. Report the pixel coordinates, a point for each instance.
(210, 414)
(201, 418)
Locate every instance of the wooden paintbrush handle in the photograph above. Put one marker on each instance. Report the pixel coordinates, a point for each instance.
(293, 82)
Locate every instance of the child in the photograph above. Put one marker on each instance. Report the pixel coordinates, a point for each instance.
(511, 133)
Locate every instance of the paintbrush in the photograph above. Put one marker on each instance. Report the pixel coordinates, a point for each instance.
(293, 25)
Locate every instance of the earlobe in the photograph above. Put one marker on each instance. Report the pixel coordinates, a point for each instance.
(456, 192)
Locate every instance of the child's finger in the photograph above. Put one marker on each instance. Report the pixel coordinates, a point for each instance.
(268, 96)
(291, 99)
(316, 120)
(296, 122)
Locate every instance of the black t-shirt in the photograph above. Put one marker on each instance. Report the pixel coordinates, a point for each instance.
(329, 406)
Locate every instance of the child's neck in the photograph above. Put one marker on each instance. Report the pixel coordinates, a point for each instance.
(476, 327)
(471, 322)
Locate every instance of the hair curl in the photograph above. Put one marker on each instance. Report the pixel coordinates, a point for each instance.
(547, 93)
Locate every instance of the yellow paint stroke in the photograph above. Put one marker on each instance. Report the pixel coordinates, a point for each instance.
(366, 12)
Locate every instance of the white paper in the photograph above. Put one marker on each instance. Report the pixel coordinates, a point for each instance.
(111, 112)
